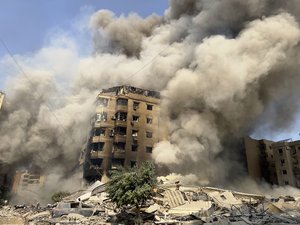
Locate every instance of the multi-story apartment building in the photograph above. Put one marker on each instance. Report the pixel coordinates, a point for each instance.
(287, 158)
(124, 131)
(275, 162)
(27, 181)
(5, 172)
(260, 159)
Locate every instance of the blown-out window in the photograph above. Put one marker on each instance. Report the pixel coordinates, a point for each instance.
(121, 130)
(99, 131)
(149, 120)
(149, 149)
(149, 134)
(122, 101)
(101, 117)
(97, 146)
(149, 107)
(102, 102)
(122, 116)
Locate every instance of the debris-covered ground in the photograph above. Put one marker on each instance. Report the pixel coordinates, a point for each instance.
(172, 204)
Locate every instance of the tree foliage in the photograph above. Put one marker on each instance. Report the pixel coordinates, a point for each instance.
(132, 186)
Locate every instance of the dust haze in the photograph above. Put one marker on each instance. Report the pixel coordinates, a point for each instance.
(225, 69)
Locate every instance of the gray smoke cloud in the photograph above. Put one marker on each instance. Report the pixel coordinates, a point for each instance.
(225, 69)
(219, 97)
(242, 75)
(124, 34)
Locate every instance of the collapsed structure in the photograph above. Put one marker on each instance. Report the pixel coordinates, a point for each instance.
(124, 130)
(275, 162)
(170, 204)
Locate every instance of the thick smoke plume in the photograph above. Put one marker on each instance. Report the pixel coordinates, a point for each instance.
(225, 69)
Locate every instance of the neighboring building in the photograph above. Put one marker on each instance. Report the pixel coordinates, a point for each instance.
(1, 99)
(6, 176)
(275, 162)
(124, 130)
(5, 171)
(287, 157)
(26, 181)
(260, 159)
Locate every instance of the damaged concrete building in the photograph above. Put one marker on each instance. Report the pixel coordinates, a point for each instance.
(274, 162)
(1, 99)
(5, 171)
(124, 130)
(25, 181)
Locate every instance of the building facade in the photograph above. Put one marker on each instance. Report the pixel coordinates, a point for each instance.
(260, 160)
(275, 162)
(124, 130)
(1, 99)
(27, 181)
(5, 171)
(287, 158)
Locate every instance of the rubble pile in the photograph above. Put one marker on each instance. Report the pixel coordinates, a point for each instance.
(171, 204)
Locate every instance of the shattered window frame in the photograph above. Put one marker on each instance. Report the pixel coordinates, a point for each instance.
(134, 148)
(97, 146)
(101, 117)
(100, 131)
(122, 101)
(149, 107)
(119, 130)
(135, 105)
(149, 149)
(102, 102)
(149, 134)
(120, 146)
(121, 116)
(135, 133)
(135, 118)
(115, 162)
(149, 120)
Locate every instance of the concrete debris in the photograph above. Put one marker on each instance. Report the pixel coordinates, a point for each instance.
(225, 199)
(173, 198)
(171, 204)
(152, 208)
(201, 208)
(45, 214)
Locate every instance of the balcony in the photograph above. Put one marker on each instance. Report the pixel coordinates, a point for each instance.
(122, 107)
(120, 138)
(121, 122)
(99, 124)
(118, 153)
(96, 139)
(96, 154)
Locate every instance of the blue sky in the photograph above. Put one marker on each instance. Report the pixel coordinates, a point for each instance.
(25, 26)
